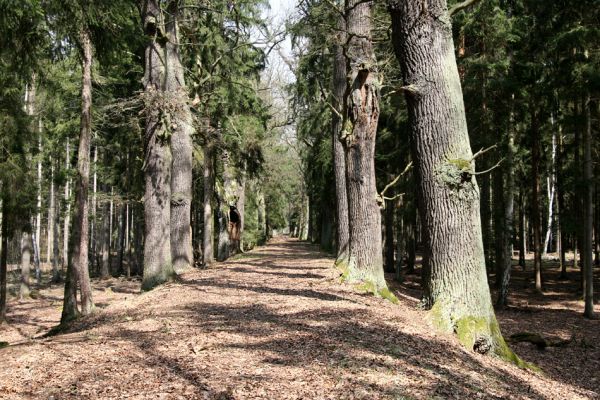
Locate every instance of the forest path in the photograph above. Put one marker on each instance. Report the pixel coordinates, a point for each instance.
(274, 323)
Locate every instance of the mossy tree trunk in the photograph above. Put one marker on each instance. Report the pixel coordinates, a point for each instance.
(361, 114)
(158, 266)
(456, 288)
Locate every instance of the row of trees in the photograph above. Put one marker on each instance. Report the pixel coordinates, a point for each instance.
(528, 73)
(131, 131)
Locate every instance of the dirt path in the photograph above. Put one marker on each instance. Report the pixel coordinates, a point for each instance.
(273, 324)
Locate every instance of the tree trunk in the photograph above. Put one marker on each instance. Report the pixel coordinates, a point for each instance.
(455, 278)
(588, 214)
(241, 206)
(93, 224)
(103, 237)
(522, 230)
(535, 198)
(182, 253)
(551, 189)
(26, 243)
(507, 231)
(121, 240)
(389, 236)
(53, 227)
(339, 162)
(209, 189)
(158, 267)
(560, 205)
(78, 258)
(361, 115)
(67, 219)
(3, 263)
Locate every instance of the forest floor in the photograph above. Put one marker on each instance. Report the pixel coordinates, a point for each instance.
(275, 323)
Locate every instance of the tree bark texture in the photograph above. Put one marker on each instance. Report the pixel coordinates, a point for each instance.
(456, 288)
(182, 253)
(78, 257)
(339, 161)
(158, 266)
(361, 114)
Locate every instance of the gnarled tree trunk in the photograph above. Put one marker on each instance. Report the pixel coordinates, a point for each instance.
(361, 114)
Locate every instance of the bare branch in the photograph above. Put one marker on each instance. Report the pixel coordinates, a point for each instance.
(490, 169)
(460, 6)
(483, 151)
(392, 183)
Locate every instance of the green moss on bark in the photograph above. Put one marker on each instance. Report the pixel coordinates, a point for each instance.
(480, 334)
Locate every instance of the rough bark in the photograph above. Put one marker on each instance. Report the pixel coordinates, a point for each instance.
(209, 189)
(158, 267)
(361, 114)
(181, 147)
(456, 288)
(339, 162)
(26, 248)
(78, 257)
(588, 214)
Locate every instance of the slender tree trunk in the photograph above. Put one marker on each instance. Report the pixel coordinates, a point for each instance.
(67, 219)
(158, 267)
(93, 225)
(389, 236)
(26, 244)
(261, 214)
(522, 230)
(3, 263)
(241, 206)
(361, 115)
(339, 162)
(78, 260)
(588, 214)
(400, 240)
(209, 190)
(104, 233)
(56, 278)
(551, 188)
(560, 205)
(455, 278)
(507, 231)
(53, 227)
(121, 240)
(535, 199)
(181, 147)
